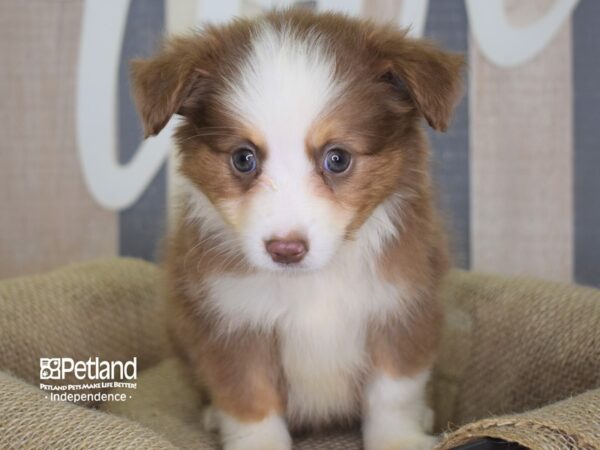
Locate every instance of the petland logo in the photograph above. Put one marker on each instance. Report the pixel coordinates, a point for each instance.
(92, 369)
(97, 377)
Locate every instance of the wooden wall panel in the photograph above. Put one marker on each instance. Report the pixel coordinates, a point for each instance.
(521, 159)
(47, 217)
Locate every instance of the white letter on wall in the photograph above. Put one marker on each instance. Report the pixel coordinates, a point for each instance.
(509, 46)
(113, 185)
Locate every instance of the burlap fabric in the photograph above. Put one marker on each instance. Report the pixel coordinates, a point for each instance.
(108, 309)
(510, 345)
(513, 345)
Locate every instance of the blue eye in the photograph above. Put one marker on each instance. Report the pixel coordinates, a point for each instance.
(337, 160)
(244, 160)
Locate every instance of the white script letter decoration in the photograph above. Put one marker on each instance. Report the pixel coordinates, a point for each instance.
(117, 186)
(113, 185)
(506, 45)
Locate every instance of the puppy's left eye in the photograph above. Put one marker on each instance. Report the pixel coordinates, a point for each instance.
(244, 160)
(337, 160)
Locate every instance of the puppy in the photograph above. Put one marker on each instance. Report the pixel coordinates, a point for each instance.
(304, 267)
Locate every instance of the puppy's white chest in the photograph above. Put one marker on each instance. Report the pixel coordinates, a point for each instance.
(321, 321)
(323, 354)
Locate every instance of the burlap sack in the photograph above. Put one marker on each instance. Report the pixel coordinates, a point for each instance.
(509, 346)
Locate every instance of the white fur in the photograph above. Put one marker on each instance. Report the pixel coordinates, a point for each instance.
(320, 316)
(269, 434)
(200, 209)
(396, 416)
(286, 84)
(321, 319)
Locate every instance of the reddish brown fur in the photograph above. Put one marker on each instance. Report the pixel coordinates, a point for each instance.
(393, 81)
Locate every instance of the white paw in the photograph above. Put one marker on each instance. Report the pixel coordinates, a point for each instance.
(269, 434)
(397, 417)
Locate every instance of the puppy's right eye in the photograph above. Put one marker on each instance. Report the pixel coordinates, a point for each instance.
(244, 160)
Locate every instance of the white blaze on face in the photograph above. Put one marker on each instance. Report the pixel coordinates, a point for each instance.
(285, 85)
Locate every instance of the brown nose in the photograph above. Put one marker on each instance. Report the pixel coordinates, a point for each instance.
(286, 251)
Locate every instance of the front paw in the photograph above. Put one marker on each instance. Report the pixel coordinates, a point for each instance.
(389, 430)
(397, 416)
(268, 434)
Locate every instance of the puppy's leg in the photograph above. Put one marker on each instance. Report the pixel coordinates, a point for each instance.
(396, 415)
(249, 413)
(240, 374)
(242, 377)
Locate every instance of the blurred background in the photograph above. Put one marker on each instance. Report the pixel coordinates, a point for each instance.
(518, 171)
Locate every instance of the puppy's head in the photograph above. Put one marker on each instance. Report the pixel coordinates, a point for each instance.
(298, 127)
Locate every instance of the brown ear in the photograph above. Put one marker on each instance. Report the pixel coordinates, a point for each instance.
(432, 77)
(163, 83)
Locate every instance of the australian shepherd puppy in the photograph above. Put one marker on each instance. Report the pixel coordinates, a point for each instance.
(305, 264)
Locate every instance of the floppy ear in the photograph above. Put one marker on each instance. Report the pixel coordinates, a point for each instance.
(166, 84)
(432, 77)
